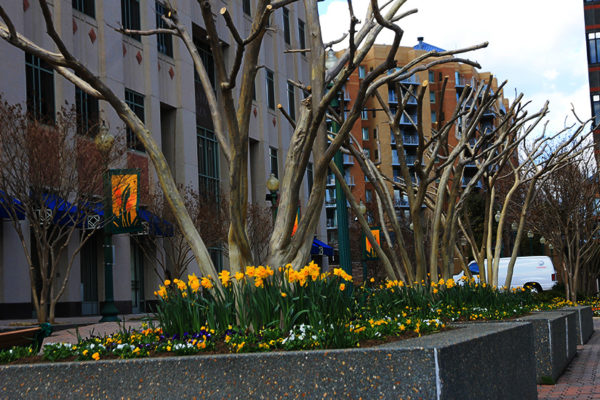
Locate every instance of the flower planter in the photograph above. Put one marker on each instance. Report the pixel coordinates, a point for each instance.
(492, 360)
(555, 341)
(585, 323)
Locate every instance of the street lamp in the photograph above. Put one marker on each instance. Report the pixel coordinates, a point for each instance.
(543, 242)
(530, 236)
(273, 187)
(551, 247)
(362, 209)
(104, 142)
(514, 227)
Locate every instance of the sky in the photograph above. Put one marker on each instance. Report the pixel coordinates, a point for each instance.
(538, 46)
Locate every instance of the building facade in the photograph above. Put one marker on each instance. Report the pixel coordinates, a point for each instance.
(155, 75)
(592, 33)
(373, 132)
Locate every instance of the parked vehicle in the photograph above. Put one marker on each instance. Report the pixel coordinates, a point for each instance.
(535, 272)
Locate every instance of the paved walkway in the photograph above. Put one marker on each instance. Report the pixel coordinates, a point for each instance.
(581, 379)
(66, 329)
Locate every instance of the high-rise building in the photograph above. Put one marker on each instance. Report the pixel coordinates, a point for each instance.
(155, 76)
(591, 10)
(373, 132)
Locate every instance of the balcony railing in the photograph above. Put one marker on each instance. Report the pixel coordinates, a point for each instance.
(411, 80)
(404, 120)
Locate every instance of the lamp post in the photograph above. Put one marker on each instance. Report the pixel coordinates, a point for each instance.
(551, 247)
(514, 227)
(104, 142)
(273, 187)
(362, 209)
(530, 236)
(543, 242)
(340, 197)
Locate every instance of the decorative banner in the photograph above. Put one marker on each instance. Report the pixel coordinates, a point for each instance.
(123, 185)
(369, 251)
(295, 228)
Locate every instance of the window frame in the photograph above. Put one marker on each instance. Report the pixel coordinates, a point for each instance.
(128, 17)
(132, 99)
(208, 156)
(287, 34)
(270, 84)
(365, 133)
(291, 94)
(87, 120)
(301, 35)
(164, 41)
(86, 7)
(247, 7)
(273, 161)
(39, 77)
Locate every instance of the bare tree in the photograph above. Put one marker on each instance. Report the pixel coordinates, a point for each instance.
(52, 177)
(230, 111)
(565, 212)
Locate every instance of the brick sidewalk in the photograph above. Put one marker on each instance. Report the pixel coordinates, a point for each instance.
(581, 379)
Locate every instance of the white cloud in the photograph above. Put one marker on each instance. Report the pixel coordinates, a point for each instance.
(537, 45)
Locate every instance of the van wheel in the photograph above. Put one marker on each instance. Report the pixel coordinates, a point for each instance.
(533, 287)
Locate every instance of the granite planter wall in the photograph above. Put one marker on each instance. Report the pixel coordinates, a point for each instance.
(491, 361)
(585, 323)
(555, 341)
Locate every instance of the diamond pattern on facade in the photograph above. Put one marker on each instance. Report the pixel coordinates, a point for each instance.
(92, 35)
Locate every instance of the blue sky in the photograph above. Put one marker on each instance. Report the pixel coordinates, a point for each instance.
(537, 45)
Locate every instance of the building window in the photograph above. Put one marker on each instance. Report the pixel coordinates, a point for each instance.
(309, 176)
(87, 7)
(164, 41)
(376, 154)
(364, 115)
(291, 101)
(207, 61)
(432, 97)
(40, 89)
(130, 16)
(596, 108)
(270, 90)
(375, 133)
(368, 195)
(216, 256)
(301, 36)
(365, 133)
(274, 164)
(246, 7)
(433, 116)
(431, 76)
(208, 163)
(87, 113)
(286, 26)
(367, 153)
(135, 101)
(361, 72)
(594, 47)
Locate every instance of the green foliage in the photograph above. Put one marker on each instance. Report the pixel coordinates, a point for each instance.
(15, 353)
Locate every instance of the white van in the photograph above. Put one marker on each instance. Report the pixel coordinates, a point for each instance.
(534, 272)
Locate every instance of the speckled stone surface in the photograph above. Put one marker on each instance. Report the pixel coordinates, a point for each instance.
(585, 323)
(486, 361)
(555, 341)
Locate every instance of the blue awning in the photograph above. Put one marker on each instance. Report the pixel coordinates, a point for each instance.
(9, 206)
(157, 225)
(320, 248)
